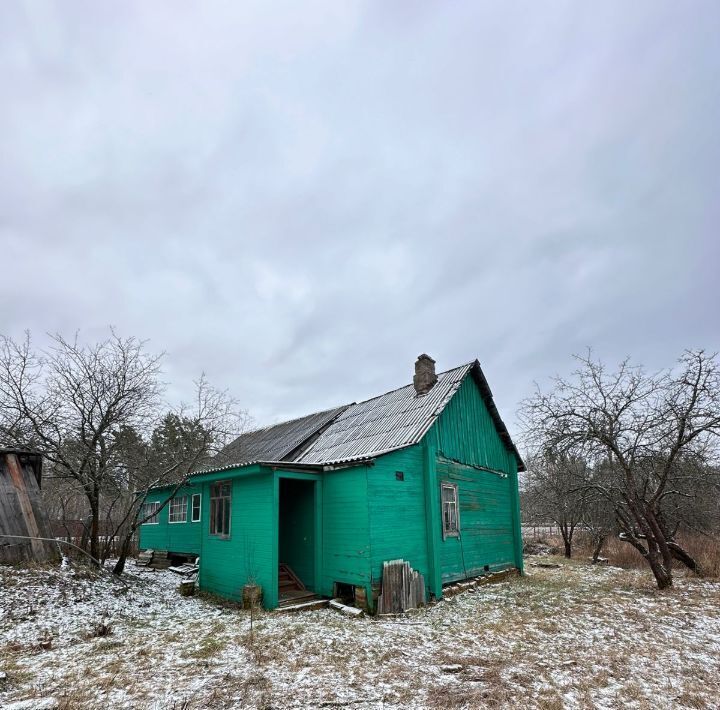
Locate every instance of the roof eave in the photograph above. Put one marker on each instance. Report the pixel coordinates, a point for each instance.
(502, 430)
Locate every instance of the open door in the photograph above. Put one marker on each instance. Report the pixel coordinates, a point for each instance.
(296, 540)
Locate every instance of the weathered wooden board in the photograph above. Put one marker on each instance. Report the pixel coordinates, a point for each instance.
(22, 513)
(403, 588)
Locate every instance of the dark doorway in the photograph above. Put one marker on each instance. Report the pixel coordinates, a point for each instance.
(296, 539)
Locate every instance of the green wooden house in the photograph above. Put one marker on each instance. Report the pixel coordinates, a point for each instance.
(426, 473)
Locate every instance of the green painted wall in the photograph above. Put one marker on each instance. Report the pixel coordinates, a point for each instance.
(486, 523)
(397, 511)
(297, 528)
(174, 537)
(466, 432)
(227, 564)
(467, 441)
(345, 529)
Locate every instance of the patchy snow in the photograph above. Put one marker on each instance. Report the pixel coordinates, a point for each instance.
(573, 637)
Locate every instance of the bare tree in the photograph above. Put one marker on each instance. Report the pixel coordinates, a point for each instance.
(599, 515)
(184, 440)
(646, 427)
(70, 401)
(97, 415)
(555, 492)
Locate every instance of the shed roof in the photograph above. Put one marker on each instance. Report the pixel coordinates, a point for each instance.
(362, 430)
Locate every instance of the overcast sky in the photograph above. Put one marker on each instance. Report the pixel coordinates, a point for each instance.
(300, 198)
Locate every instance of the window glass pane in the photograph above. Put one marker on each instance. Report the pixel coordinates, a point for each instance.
(449, 509)
(220, 508)
(148, 509)
(178, 510)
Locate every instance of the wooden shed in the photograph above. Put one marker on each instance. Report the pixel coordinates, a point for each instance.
(426, 473)
(21, 510)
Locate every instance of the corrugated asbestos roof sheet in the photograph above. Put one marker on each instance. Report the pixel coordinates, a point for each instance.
(274, 443)
(391, 421)
(359, 431)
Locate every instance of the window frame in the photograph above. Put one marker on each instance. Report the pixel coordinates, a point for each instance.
(450, 532)
(144, 511)
(193, 519)
(176, 503)
(215, 499)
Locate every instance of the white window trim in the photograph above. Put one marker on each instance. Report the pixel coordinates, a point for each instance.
(156, 503)
(176, 522)
(454, 488)
(192, 508)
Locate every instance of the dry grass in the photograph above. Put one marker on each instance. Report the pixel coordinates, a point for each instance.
(704, 549)
(574, 636)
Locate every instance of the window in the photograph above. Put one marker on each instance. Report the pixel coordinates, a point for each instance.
(220, 509)
(450, 520)
(178, 510)
(195, 515)
(150, 509)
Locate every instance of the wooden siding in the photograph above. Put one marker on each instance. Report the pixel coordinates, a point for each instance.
(397, 511)
(345, 529)
(486, 522)
(467, 442)
(174, 537)
(22, 513)
(226, 565)
(466, 432)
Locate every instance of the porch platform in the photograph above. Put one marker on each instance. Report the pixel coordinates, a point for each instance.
(292, 596)
(309, 603)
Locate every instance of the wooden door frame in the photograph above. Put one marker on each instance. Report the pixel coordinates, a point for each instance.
(315, 478)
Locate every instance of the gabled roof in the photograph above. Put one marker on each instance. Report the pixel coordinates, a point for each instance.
(277, 442)
(391, 421)
(360, 431)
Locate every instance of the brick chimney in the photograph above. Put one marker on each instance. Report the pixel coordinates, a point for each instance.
(425, 376)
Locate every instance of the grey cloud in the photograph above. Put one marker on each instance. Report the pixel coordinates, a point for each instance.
(298, 199)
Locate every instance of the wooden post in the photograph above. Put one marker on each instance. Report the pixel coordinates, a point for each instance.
(432, 513)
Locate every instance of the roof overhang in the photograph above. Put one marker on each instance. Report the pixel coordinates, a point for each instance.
(487, 395)
(252, 468)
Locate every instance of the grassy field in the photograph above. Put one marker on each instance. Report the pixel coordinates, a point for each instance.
(573, 636)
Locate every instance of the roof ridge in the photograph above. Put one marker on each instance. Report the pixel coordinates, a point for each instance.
(410, 384)
(294, 419)
(349, 404)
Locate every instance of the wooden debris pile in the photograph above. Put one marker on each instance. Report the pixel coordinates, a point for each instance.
(157, 559)
(187, 569)
(403, 588)
(343, 608)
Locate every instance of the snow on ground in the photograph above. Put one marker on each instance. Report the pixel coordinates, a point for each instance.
(573, 637)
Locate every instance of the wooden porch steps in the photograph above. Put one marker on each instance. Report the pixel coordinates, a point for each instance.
(293, 595)
(157, 559)
(287, 579)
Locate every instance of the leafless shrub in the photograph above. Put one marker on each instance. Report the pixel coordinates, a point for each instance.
(101, 629)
